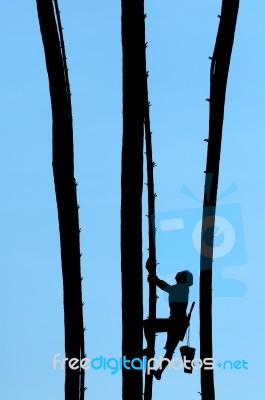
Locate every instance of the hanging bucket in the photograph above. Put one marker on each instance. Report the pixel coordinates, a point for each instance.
(187, 354)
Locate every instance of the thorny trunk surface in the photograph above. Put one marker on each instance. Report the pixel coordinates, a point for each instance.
(218, 76)
(65, 188)
(133, 51)
(148, 388)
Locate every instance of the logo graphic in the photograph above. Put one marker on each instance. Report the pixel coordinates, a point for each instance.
(115, 365)
(178, 239)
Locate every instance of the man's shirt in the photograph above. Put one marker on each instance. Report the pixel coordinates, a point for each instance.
(178, 300)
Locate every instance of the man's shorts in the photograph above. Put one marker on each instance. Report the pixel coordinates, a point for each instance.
(174, 328)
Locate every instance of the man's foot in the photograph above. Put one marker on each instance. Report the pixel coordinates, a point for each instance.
(157, 374)
(148, 352)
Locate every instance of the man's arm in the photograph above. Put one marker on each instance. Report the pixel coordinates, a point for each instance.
(161, 284)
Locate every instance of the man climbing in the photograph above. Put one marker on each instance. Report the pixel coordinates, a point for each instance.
(176, 324)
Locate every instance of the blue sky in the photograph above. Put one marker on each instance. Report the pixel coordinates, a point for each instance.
(180, 37)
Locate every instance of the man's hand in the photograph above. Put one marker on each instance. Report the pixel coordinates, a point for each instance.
(151, 278)
(158, 282)
(149, 265)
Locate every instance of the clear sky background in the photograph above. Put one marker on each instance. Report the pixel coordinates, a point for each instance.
(181, 36)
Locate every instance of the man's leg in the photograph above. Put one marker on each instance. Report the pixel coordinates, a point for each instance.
(150, 327)
(167, 358)
(171, 344)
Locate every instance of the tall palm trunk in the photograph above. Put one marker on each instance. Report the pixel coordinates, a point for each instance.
(65, 188)
(218, 76)
(148, 389)
(131, 192)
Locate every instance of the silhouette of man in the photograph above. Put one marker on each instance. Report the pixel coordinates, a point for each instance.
(176, 324)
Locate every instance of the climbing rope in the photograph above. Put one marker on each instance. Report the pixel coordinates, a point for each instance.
(188, 336)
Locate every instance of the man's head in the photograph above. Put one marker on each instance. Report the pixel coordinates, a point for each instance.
(184, 277)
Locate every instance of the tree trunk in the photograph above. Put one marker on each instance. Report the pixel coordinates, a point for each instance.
(131, 192)
(148, 388)
(218, 76)
(65, 188)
